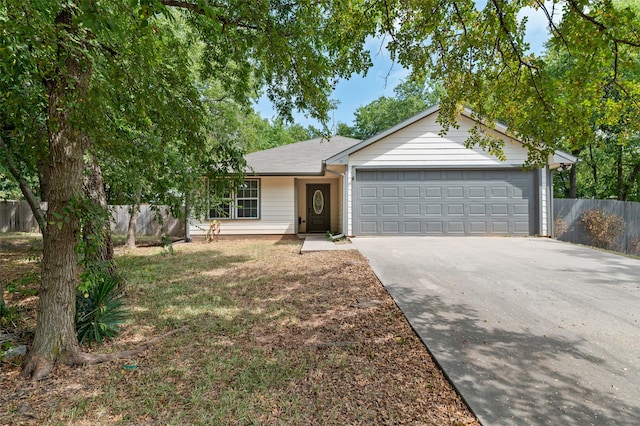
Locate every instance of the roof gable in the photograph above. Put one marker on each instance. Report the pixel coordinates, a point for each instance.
(515, 151)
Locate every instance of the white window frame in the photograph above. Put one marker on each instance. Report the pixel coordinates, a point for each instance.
(231, 203)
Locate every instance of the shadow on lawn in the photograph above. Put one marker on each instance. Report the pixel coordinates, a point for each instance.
(484, 363)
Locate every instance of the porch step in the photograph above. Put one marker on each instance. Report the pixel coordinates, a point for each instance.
(321, 243)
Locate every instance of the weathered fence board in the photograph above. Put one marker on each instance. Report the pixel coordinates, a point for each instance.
(150, 221)
(16, 216)
(568, 212)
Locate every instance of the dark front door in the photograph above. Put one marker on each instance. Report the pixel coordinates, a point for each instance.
(318, 219)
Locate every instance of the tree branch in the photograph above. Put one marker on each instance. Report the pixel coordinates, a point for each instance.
(201, 11)
(506, 31)
(24, 187)
(602, 27)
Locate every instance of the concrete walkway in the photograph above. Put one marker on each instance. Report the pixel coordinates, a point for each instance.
(530, 331)
(320, 242)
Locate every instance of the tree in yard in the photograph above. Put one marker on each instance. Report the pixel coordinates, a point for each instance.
(296, 49)
(481, 59)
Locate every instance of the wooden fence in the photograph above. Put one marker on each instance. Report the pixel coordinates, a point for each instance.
(16, 216)
(568, 226)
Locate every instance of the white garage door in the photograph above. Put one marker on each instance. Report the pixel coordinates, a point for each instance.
(444, 202)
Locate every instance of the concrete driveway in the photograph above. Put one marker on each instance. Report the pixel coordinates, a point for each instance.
(530, 331)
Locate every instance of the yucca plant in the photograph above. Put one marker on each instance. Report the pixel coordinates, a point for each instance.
(100, 309)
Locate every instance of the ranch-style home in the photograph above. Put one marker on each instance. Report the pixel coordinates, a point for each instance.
(408, 180)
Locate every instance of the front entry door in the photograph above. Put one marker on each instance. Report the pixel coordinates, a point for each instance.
(318, 218)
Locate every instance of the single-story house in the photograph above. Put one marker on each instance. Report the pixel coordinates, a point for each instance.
(408, 180)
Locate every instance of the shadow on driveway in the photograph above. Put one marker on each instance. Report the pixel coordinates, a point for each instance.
(509, 341)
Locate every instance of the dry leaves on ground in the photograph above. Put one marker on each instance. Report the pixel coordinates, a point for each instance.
(274, 337)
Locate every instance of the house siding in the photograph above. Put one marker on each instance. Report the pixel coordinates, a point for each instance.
(277, 207)
(420, 145)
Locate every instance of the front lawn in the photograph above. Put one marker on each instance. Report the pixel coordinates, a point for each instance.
(273, 337)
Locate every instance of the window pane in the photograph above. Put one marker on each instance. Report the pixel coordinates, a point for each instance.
(220, 211)
(248, 208)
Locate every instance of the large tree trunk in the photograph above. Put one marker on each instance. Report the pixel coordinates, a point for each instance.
(55, 336)
(134, 210)
(630, 182)
(94, 190)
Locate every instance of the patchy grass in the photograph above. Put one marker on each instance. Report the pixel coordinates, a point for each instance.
(274, 337)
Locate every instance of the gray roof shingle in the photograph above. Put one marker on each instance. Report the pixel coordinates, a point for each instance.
(302, 158)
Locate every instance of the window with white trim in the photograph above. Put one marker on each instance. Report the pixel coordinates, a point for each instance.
(243, 204)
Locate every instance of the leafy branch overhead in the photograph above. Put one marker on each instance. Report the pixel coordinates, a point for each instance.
(154, 91)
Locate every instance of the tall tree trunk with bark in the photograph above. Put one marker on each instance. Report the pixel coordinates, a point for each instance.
(94, 190)
(134, 210)
(55, 338)
(633, 176)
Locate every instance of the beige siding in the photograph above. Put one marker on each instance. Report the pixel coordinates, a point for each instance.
(277, 212)
(421, 145)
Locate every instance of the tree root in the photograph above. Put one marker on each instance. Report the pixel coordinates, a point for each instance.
(38, 367)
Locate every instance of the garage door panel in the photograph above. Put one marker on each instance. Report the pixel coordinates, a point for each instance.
(390, 209)
(521, 209)
(392, 227)
(411, 175)
(477, 192)
(521, 227)
(433, 192)
(411, 192)
(369, 227)
(368, 192)
(477, 210)
(412, 209)
(455, 210)
(455, 192)
(450, 202)
(478, 227)
(500, 227)
(434, 227)
(434, 209)
(368, 209)
(455, 227)
(499, 209)
(499, 192)
(390, 192)
(412, 228)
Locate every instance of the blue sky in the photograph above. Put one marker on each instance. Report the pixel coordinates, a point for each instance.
(384, 76)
